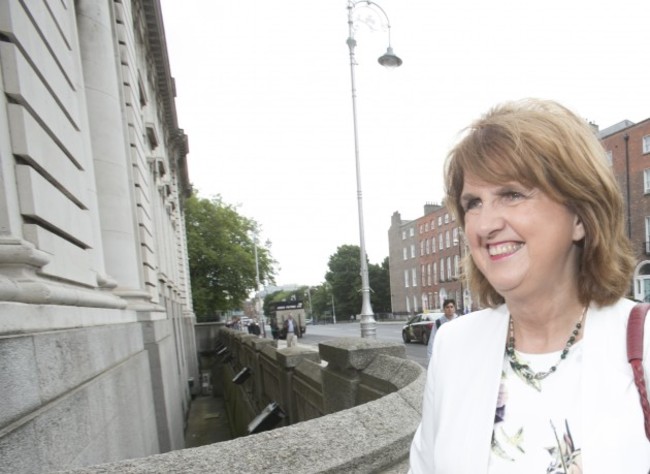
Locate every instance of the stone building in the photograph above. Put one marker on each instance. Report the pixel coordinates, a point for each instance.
(96, 324)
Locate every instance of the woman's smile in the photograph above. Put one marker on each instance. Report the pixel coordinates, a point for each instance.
(503, 249)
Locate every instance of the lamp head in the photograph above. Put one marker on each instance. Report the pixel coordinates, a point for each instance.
(390, 59)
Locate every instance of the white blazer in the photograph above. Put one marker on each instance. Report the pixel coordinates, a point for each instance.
(462, 386)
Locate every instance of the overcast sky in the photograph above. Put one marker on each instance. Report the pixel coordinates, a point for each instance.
(264, 94)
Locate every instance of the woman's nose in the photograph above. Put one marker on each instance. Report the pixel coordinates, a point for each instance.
(489, 220)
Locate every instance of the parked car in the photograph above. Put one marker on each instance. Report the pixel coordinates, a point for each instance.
(418, 328)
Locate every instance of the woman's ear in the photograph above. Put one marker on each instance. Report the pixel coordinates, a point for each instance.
(578, 229)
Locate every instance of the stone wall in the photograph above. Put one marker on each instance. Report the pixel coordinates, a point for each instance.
(351, 406)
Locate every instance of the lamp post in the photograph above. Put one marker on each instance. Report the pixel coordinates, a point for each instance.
(388, 59)
(257, 288)
(311, 308)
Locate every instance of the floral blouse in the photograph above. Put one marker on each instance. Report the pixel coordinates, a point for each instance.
(537, 424)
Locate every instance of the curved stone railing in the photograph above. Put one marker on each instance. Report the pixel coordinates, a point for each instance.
(370, 436)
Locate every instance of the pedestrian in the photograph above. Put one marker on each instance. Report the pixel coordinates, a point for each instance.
(275, 330)
(292, 330)
(538, 381)
(449, 308)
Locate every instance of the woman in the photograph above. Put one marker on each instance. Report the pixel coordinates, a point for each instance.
(539, 382)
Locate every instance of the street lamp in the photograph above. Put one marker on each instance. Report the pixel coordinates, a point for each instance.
(388, 59)
(257, 289)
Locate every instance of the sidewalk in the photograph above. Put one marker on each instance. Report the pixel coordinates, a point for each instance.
(207, 422)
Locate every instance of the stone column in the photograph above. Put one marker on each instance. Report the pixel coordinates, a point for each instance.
(347, 358)
(258, 345)
(111, 155)
(288, 359)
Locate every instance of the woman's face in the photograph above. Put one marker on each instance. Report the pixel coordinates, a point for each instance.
(520, 239)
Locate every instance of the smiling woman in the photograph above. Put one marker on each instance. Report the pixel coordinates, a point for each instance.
(549, 256)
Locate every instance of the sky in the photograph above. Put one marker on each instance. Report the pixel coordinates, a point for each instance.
(263, 91)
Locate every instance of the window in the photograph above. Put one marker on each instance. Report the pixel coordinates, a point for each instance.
(449, 274)
(426, 227)
(432, 224)
(421, 247)
(411, 232)
(406, 278)
(456, 265)
(433, 245)
(435, 273)
(415, 303)
(440, 242)
(646, 181)
(439, 221)
(408, 305)
(428, 274)
(403, 234)
(446, 218)
(406, 255)
(442, 269)
(610, 158)
(646, 144)
(428, 248)
(414, 277)
(448, 239)
(455, 235)
(647, 235)
(412, 250)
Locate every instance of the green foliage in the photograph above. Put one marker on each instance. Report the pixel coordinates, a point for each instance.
(221, 256)
(344, 281)
(380, 286)
(321, 300)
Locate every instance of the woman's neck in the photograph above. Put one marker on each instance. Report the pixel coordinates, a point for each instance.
(541, 327)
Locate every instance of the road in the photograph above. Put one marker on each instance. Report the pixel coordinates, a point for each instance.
(386, 331)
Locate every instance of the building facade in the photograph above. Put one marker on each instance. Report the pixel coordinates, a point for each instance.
(628, 150)
(97, 343)
(425, 257)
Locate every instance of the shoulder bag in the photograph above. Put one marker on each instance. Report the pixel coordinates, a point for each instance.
(635, 327)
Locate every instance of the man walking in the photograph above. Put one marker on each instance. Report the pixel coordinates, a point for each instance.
(449, 307)
(292, 329)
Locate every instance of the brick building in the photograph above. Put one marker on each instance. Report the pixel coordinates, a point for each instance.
(628, 151)
(424, 261)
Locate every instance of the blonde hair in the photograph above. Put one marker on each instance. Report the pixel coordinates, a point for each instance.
(543, 145)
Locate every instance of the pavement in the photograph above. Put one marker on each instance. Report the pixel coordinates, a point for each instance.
(207, 422)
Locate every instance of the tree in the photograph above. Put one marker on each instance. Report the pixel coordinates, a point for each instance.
(344, 278)
(379, 277)
(221, 256)
(321, 300)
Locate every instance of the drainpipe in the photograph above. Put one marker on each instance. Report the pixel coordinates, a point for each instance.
(626, 137)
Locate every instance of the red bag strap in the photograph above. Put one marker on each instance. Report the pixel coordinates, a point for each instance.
(635, 327)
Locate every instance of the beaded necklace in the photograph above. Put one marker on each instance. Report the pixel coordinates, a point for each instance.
(524, 370)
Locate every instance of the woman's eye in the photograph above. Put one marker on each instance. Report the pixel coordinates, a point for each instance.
(513, 195)
(472, 204)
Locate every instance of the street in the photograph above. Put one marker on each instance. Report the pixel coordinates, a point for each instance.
(386, 331)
